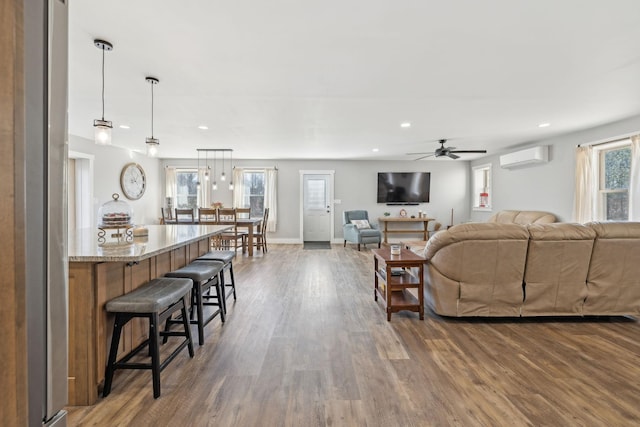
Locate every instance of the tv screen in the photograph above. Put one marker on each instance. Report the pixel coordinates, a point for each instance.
(403, 187)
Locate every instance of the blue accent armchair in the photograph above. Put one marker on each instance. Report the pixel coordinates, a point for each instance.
(357, 235)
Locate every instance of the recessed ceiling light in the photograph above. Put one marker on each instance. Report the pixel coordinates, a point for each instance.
(405, 125)
(544, 125)
(124, 127)
(375, 150)
(203, 127)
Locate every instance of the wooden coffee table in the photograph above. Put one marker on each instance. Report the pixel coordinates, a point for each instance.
(394, 277)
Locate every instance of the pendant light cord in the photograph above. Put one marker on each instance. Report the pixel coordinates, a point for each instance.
(152, 110)
(103, 84)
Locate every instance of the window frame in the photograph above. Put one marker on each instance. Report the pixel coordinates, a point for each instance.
(600, 194)
(177, 195)
(246, 191)
(487, 176)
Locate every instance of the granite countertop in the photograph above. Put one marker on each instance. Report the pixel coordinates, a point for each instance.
(84, 245)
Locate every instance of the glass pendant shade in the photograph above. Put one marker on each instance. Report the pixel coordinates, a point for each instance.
(214, 185)
(223, 177)
(152, 146)
(102, 132)
(230, 185)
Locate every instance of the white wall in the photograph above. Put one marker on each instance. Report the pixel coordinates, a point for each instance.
(356, 187)
(550, 186)
(107, 165)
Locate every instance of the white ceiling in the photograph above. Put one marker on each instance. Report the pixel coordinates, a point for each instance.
(335, 79)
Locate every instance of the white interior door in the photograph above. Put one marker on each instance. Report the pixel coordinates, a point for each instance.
(316, 207)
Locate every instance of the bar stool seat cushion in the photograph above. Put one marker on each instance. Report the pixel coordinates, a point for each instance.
(151, 297)
(224, 256)
(198, 272)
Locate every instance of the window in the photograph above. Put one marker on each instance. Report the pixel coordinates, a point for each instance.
(253, 194)
(614, 166)
(481, 188)
(186, 188)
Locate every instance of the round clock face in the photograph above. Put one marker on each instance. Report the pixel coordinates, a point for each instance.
(133, 181)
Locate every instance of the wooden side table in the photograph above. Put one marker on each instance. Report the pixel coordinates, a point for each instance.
(393, 279)
(402, 220)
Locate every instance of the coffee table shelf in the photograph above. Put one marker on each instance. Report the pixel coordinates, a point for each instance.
(393, 289)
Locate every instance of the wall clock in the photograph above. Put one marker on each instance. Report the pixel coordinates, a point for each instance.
(133, 181)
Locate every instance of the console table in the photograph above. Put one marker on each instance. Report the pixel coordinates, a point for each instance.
(398, 219)
(394, 288)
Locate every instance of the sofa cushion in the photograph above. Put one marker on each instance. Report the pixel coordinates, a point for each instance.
(556, 271)
(481, 265)
(613, 281)
(522, 217)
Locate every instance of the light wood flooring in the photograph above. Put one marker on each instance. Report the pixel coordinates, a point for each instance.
(306, 345)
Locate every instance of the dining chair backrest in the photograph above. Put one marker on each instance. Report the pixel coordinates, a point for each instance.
(185, 216)
(207, 216)
(265, 218)
(167, 215)
(243, 213)
(226, 216)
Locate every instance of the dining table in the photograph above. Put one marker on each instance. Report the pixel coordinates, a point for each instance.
(250, 224)
(241, 223)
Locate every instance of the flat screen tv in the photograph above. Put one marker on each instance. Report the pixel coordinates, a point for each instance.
(403, 187)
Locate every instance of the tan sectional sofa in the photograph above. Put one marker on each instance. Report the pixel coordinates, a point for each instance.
(522, 217)
(544, 269)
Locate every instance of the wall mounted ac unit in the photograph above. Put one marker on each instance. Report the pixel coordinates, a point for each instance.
(525, 157)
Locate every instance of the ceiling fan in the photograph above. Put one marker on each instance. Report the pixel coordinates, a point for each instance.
(446, 151)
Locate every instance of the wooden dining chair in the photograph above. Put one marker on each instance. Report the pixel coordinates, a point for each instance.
(207, 216)
(243, 213)
(167, 216)
(185, 216)
(233, 238)
(261, 234)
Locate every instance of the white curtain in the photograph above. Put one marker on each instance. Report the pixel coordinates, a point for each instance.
(239, 190)
(586, 179)
(204, 195)
(271, 197)
(634, 184)
(170, 186)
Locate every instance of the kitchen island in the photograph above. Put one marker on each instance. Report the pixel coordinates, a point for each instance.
(100, 272)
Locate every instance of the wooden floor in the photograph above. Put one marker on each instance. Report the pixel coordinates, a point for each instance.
(306, 345)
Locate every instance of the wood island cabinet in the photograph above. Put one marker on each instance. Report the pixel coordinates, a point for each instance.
(98, 274)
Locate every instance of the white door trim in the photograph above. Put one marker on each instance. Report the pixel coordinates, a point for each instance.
(84, 189)
(331, 174)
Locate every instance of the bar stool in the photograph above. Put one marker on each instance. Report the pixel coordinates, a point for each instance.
(204, 277)
(225, 257)
(157, 300)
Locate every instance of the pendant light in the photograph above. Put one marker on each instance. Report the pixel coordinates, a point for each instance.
(223, 177)
(215, 184)
(231, 170)
(206, 166)
(102, 127)
(198, 173)
(152, 143)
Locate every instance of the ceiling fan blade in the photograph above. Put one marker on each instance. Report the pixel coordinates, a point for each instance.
(417, 154)
(424, 157)
(468, 151)
(452, 156)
